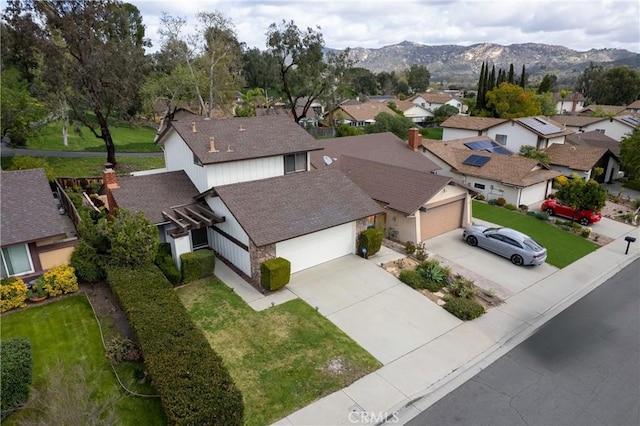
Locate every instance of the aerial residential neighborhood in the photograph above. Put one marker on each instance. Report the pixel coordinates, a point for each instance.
(196, 230)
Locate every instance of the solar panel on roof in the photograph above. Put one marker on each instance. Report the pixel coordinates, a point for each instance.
(634, 121)
(476, 160)
(539, 125)
(480, 145)
(500, 150)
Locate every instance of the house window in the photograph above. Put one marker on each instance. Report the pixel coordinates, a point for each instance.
(295, 162)
(501, 139)
(199, 238)
(479, 185)
(16, 260)
(196, 160)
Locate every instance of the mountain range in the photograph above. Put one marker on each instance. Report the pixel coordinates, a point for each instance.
(453, 64)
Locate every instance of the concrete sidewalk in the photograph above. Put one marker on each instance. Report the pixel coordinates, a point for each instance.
(410, 384)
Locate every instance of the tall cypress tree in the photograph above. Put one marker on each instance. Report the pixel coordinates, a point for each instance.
(523, 78)
(501, 77)
(511, 77)
(492, 79)
(480, 100)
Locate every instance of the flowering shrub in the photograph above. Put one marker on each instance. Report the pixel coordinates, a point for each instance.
(13, 293)
(60, 280)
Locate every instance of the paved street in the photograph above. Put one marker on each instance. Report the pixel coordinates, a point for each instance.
(581, 368)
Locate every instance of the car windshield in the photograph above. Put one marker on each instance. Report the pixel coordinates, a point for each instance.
(490, 230)
(533, 245)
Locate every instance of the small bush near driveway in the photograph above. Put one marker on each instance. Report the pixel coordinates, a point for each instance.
(465, 309)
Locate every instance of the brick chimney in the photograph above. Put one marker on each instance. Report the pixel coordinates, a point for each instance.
(415, 140)
(574, 104)
(110, 182)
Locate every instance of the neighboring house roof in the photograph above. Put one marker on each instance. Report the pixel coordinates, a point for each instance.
(260, 112)
(634, 105)
(351, 102)
(576, 120)
(487, 145)
(155, 193)
(381, 147)
(399, 188)
(511, 170)
(543, 126)
(575, 156)
(607, 109)
(594, 138)
(571, 97)
(29, 212)
(471, 123)
(284, 207)
(404, 105)
(435, 98)
(242, 138)
(629, 119)
(365, 111)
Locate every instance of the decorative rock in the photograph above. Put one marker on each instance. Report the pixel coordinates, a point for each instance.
(439, 294)
(440, 302)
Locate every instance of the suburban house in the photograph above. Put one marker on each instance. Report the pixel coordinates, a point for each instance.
(243, 187)
(517, 179)
(537, 131)
(633, 108)
(571, 103)
(614, 127)
(417, 203)
(603, 109)
(582, 160)
(594, 138)
(433, 101)
(415, 112)
(463, 126)
(358, 115)
(36, 234)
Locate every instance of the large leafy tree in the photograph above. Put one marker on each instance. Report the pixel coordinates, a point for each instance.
(418, 78)
(260, 69)
(613, 86)
(548, 84)
(511, 101)
(18, 108)
(396, 124)
(582, 194)
(304, 73)
(97, 49)
(630, 153)
(212, 56)
(362, 81)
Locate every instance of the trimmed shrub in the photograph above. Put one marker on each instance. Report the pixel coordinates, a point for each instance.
(523, 207)
(492, 202)
(13, 293)
(542, 216)
(409, 248)
(87, 263)
(531, 213)
(412, 278)
(133, 238)
(60, 280)
(510, 207)
(197, 264)
(465, 309)
(371, 239)
(16, 373)
(193, 383)
(480, 197)
(165, 262)
(421, 254)
(276, 273)
(501, 202)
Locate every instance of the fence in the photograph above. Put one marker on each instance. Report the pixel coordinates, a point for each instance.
(67, 203)
(82, 182)
(322, 132)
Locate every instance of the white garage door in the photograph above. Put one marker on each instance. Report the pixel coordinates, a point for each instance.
(319, 247)
(533, 193)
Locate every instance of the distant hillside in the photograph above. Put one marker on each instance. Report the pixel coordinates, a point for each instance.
(461, 64)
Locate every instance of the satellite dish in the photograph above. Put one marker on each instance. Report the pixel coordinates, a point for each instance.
(327, 160)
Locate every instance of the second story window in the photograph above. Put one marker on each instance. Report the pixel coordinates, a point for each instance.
(295, 162)
(196, 160)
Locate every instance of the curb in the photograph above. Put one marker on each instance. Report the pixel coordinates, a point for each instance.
(407, 411)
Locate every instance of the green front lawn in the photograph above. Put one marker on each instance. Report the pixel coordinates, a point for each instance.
(92, 166)
(563, 248)
(432, 133)
(125, 138)
(283, 358)
(66, 332)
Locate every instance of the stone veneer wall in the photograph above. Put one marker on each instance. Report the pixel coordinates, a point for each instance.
(257, 256)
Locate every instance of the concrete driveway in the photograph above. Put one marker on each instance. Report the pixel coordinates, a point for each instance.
(385, 317)
(451, 247)
(611, 228)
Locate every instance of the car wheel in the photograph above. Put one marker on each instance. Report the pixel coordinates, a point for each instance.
(550, 211)
(516, 259)
(584, 221)
(472, 241)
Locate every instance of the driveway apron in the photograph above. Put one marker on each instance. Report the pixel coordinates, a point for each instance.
(383, 315)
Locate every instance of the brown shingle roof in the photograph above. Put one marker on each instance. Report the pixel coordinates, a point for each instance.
(471, 123)
(509, 169)
(401, 189)
(576, 120)
(151, 194)
(28, 209)
(575, 156)
(366, 111)
(634, 105)
(594, 138)
(285, 207)
(435, 98)
(405, 105)
(241, 138)
(607, 109)
(381, 147)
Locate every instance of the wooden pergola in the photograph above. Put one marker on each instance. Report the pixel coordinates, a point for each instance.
(190, 216)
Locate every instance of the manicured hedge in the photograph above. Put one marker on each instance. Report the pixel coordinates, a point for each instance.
(16, 373)
(87, 263)
(166, 264)
(197, 264)
(276, 273)
(371, 239)
(194, 384)
(465, 309)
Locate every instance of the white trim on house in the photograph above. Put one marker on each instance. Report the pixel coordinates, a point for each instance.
(5, 252)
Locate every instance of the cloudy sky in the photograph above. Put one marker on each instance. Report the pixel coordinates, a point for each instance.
(577, 24)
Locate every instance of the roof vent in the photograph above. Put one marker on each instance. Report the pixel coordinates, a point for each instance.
(242, 129)
(212, 144)
(193, 127)
(327, 160)
(229, 148)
